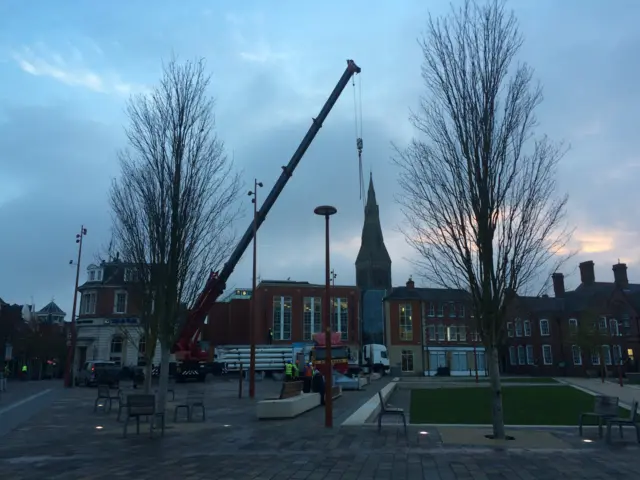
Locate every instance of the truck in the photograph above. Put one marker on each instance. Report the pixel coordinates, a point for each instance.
(339, 353)
(191, 358)
(375, 358)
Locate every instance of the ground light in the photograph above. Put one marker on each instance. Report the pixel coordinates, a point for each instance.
(586, 440)
(99, 427)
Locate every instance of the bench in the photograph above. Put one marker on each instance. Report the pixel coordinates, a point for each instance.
(104, 394)
(387, 409)
(142, 405)
(195, 399)
(291, 406)
(290, 389)
(604, 408)
(630, 421)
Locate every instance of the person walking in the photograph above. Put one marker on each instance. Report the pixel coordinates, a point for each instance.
(318, 385)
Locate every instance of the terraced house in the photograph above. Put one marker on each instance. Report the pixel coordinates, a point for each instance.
(576, 332)
(431, 331)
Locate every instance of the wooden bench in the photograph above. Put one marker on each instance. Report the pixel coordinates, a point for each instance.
(630, 421)
(387, 409)
(142, 405)
(104, 394)
(604, 408)
(195, 399)
(290, 389)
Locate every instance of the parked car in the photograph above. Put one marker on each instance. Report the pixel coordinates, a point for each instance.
(99, 372)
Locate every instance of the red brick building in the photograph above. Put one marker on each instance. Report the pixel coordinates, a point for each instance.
(543, 336)
(292, 309)
(428, 329)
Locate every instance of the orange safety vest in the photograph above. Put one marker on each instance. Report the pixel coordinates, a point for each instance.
(308, 371)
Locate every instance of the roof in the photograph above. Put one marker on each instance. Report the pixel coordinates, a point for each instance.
(294, 283)
(113, 274)
(51, 308)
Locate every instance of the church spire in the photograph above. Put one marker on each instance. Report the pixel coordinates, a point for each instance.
(373, 264)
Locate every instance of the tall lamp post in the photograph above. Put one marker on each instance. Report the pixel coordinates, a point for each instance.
(326, 211)
(68, 376)
(252, 313)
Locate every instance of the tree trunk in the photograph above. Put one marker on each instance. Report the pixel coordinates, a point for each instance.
(497, 414)
(148, 376)
(163, 384)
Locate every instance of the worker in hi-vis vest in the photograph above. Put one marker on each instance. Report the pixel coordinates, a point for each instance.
(288, 371)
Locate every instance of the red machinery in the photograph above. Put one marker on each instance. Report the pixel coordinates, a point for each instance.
(191, 354)
(339, 353)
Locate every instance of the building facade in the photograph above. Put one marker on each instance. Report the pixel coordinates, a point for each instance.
(108, 322)
(51, 314)
(576, 332)
(432, 331)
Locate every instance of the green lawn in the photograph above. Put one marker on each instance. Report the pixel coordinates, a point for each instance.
(540, 405)
(509, 379)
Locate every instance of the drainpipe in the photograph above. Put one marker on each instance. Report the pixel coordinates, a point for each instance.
(422, 335)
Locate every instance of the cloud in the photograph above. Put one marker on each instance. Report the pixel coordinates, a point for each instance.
(44, 63)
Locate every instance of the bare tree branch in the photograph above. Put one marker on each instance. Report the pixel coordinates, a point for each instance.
(478, 187)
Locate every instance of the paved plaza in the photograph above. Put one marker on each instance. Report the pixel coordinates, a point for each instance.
(62, 441)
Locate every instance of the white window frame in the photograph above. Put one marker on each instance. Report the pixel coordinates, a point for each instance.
(547, 347)
(614, 327)
(544, 321)
(607, 354)
(405, 354)
(440, 310)
(527, 328)
(405, 322)
(576, 354)
(285, 302)
(130, 275)
(452, 333)
(115, 301)
(88, 307)
(432, 310)
(519, 328)
(340, 320)
(616, 351)
(595, 358)
(312, 316)
(513, 357)
(462, 333)
(510, 329)
(452, 310)
(602, 324)
(462, 311)
(431, 332)
(441, 332)
(522, 358)
(529, 354)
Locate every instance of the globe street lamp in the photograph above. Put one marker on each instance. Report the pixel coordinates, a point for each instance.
(326, 211)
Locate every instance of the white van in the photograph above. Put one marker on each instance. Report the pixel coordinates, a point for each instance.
(375, 356)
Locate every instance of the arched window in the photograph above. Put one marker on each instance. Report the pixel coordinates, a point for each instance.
(142, 348)
(117, 346)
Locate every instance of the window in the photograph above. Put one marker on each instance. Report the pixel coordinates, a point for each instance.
(518, 327)
(544, 328)
(452, 310)
(573, 325)
(431, 333)
(95, 275)
(606, 351)
(576, 353)
(130, 275)
(340, 320)
(115, 352)
(521, 355)
(475, 336)
(613, 327)
(312, 317)
(281, 318)
(407, 360)
(120, 302)
(547, 355)
(602, 324)
(461, 310)
(513, 360)
(452, 333)
(529, 352)
(142, 348)
(527, 328)
(92, 276)
(510, 329)
(626, 325)
(459, 362)
(617, 354)
(432, 310)
(462, 333)
(437, 360)
(440, 310)
(595, 358)
(88, 303)
(441, 335)
(406, 322)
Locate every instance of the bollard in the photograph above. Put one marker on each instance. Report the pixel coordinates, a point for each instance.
(240, 381)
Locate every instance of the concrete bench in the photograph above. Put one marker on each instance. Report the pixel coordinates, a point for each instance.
(292, 406)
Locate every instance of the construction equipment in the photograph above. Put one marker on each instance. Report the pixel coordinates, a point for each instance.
(189, 353)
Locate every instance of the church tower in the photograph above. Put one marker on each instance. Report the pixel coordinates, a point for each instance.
(373, 264)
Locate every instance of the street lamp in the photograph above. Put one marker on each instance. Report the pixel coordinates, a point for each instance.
(252, 313)
(69, 373)
(326, 211)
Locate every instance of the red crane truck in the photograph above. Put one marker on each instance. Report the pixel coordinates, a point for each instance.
(191, 355)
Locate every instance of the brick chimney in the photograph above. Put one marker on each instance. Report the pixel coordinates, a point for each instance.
(620, 275)
(558, 284)
(587, 273)
(410, 284)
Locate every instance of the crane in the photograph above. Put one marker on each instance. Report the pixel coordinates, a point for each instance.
(186, 349)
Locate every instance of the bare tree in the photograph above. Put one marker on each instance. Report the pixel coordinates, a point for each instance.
(174, 203)
(478, 188)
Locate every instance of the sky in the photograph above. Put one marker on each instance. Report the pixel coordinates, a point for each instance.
(68, 67)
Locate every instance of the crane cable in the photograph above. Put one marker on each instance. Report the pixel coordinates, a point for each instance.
(357, 108)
